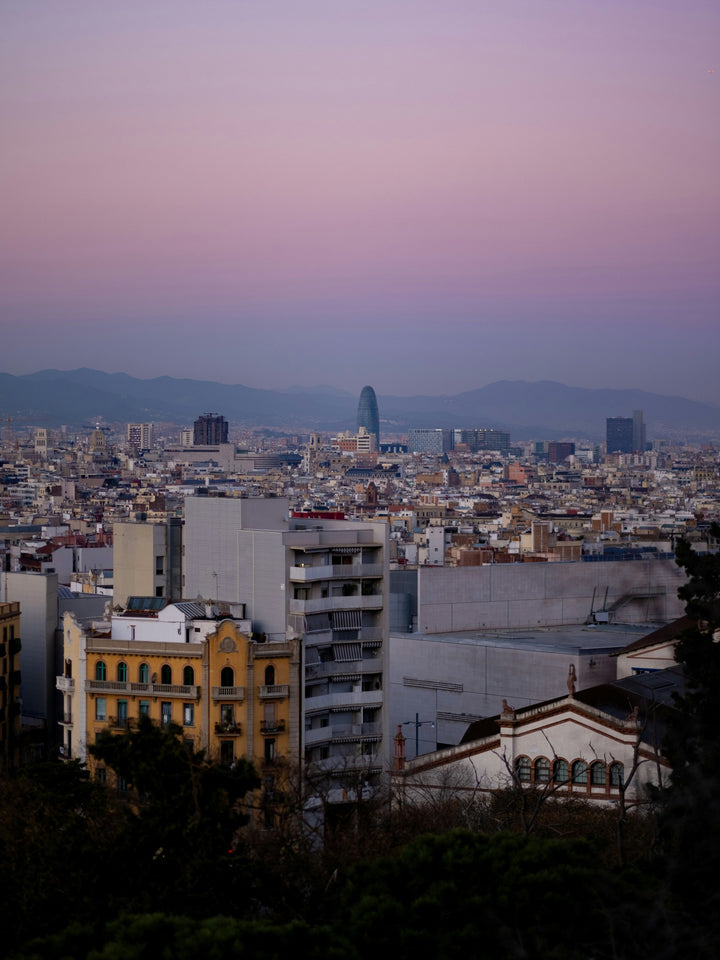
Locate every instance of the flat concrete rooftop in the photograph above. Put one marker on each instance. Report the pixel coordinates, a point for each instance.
(575, 638)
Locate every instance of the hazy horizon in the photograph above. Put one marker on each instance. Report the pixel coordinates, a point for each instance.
(424, 197)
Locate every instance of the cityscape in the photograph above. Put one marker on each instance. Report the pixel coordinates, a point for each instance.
(360, 481)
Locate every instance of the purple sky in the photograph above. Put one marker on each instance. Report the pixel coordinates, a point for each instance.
(425, 196)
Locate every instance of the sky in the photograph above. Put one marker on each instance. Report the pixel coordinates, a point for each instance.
(423, 196)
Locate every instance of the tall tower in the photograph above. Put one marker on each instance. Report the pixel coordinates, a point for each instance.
(210, 429)
(619, 435)
(367, 413)
(638, 432)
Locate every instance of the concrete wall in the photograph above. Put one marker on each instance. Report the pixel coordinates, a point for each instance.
(37, 594)
(451, 682)
(527, 594)
(234, 551)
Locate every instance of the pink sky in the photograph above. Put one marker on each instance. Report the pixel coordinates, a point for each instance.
(423, 196)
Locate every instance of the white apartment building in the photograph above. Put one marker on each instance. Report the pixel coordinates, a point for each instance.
(323, 581)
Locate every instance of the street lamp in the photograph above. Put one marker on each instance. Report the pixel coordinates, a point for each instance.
(418, 723)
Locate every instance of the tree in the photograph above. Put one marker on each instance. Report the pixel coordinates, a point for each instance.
(188, 814)
(691, 816)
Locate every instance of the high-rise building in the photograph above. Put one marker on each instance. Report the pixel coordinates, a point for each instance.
(638, 432)
(140, 435)
(430, 440)
(619, 435)
(210, 429)
(559, 451)
(322, 581)
(367, 413)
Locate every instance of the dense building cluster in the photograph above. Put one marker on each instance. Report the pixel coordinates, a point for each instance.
(319, 599)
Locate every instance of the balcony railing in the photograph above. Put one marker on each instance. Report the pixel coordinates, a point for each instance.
(66, 718)
(66, 684)
(226, 727)
(328, 572)
(328, 604)
(150, 689)
(121, 723)
(273, 690)
(272, 726)
(228, 693)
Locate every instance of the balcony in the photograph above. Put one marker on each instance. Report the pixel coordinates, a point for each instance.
(272, 726)
(328, 604)
(274, 690)
(66, 684)
(146, 689)
(328, 572)
(228, 693)
(66, 719)
(119, 723)
(365, 698)
(226, 727)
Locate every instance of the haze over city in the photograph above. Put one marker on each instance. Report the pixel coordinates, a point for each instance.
(427, 197)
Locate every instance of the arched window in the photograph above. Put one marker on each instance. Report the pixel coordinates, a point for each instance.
(560, 771)
(227, 677)
(100, 671)
(579, 772)
(542, 770)
(597, 774)
(269, 676)
(122, 672)
(617, 774)
(188, 676)
(165, 673)
(522, 769)
(144, 673)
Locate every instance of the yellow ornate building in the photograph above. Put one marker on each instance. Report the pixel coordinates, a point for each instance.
(197, 666)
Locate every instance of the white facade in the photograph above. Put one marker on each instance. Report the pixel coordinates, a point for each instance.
(567, 747)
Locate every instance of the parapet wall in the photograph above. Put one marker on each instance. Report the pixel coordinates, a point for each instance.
(548, 594)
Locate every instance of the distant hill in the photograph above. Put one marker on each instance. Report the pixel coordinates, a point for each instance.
(540, 410)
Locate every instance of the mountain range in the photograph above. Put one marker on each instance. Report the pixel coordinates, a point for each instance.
(528, 410)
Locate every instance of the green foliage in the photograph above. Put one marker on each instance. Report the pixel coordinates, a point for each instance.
(691, 813)
(58, 829)
(157, 935)
(464, 894)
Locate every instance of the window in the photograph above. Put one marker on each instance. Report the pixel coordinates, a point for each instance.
(144, 673)
(560, 771)
(122, 672)
(101, 775)
(165, 713)
(542, 770)
(144, 708)
(597, 774)
(269, 750)
(269, 676)
(227, 714)
(227, 677)
(165, 674)
(617, 774)
(122, 714)
(522, 769)
(159, 566)
(188, 677)
(188, 715)
(101, 709)
(579, 772)
(100, 671)
(226, 751)
(158, 591)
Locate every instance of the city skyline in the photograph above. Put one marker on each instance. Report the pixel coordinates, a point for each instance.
(426, 197)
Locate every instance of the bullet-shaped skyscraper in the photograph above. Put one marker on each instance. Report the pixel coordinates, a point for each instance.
(367, 413)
